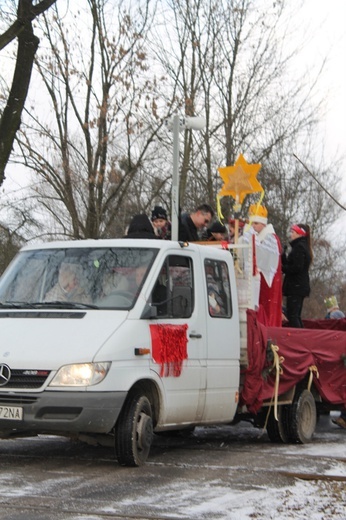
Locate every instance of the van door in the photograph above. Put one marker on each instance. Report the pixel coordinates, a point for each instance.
(179, 316)
(223, 343)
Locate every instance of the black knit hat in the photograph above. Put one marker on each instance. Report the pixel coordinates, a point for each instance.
(140, 227)
(217, 227)
(158, 212)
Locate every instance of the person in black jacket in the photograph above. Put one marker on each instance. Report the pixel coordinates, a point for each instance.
(190, 225)
(295, 267)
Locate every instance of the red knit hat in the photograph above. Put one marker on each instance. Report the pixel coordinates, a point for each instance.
(299, 230)
(241, 222)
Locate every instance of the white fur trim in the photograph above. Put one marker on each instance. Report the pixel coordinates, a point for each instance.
(260, 220)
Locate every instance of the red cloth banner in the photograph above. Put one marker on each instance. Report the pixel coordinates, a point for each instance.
(169, 348)
(324, 348)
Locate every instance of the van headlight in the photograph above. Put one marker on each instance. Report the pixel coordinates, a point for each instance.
(83, 374)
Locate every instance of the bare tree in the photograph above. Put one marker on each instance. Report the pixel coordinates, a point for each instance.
(28, 42)
(104, 156)
(228, 61)
(102, 137)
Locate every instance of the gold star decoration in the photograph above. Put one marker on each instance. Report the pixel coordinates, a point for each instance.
(240, 179)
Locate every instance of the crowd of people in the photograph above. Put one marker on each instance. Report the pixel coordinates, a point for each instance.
(272, 261)
(281, 273)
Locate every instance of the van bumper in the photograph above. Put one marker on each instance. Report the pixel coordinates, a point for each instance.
(62, 412)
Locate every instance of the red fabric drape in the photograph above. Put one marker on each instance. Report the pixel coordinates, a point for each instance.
(301, 349)
(169, 348)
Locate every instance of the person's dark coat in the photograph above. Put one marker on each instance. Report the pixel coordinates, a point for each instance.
(295, 267)
(187, 229)
(140, 227)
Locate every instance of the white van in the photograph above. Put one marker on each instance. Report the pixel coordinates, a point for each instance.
(121, 338)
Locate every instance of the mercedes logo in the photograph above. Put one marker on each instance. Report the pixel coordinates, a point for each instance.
(5, 374)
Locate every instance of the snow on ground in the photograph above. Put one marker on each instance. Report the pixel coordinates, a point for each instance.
(302, 501)
(191, 498)
(216, 500)
(310, 500)
(322, 500)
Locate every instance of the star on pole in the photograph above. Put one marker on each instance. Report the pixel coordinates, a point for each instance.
(240, 179)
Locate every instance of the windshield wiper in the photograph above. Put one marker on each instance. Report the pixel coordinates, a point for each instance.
(41, 305)
(16, 305)
(66, 305)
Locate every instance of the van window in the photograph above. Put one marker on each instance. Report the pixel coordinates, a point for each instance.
(173, 293)
(99, 277)
(218, 288)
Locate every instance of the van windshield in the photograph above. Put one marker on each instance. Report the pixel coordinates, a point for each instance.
(102, 278)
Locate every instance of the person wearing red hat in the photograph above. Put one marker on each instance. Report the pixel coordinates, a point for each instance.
(295, 267)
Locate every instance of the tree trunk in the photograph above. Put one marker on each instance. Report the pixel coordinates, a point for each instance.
(27, 47)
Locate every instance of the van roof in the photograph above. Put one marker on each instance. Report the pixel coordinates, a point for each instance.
(114, 242)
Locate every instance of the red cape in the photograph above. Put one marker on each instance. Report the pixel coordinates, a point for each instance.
(270, 298)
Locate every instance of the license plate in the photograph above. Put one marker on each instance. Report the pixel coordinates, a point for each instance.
(11, 413)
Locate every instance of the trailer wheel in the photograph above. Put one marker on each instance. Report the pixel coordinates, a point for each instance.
(278, 430)
(303, 417)
(134, 431)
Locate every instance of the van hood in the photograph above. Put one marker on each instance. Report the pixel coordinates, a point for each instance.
(46, 340)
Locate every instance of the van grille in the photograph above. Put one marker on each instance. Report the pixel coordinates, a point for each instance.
(28, 379)
(16, 400)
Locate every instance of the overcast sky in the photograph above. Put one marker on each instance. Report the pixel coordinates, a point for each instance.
(333, 14)
(328, 19)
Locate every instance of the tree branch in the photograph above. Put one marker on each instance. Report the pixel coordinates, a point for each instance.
(18, 26)
(27, 47)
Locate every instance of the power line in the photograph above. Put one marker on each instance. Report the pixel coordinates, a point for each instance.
(318, 182)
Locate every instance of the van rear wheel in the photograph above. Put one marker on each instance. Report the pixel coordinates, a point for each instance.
(134, 431)
(278, 430)
(303, 417)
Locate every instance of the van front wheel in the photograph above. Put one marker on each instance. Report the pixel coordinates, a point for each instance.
(134, 431)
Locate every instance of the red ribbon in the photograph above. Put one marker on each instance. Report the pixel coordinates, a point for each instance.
(254, 261)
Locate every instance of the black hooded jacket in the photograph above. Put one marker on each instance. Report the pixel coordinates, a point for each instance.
(140, 227)
(295, 267)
